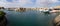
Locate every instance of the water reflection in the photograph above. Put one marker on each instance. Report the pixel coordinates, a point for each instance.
(30, 18)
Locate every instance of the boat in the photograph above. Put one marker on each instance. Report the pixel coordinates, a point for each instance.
(44, 10)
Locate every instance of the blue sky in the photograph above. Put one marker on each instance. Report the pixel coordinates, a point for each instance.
(29, 3)
(9, 0)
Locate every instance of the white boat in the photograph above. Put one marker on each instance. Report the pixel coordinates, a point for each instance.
(44, 10)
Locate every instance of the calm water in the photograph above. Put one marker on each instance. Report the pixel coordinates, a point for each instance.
(29, 18)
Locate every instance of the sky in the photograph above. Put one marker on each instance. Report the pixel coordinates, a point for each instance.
(29, 3)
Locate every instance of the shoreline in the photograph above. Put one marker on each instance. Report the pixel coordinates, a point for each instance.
(57, 21)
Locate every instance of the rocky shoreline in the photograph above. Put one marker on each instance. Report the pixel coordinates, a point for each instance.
(57, 21)
(3, 20)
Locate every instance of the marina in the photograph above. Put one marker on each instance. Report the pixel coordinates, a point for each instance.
(30, 18)
(29, 12)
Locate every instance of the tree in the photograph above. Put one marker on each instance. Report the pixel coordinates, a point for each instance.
(2, 13)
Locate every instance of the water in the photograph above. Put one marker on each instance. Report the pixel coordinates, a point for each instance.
(29, 18)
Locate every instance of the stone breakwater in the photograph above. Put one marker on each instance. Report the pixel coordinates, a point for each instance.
(57, 21)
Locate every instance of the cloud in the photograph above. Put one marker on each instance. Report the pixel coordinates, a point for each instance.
(15, 3)
(2, 3)
(44, 3)
(21, 3)
(27, 3)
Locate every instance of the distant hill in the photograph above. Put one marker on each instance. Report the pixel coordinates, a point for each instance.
(57, 7)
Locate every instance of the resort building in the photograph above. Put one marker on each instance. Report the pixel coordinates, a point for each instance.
(20, 9)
